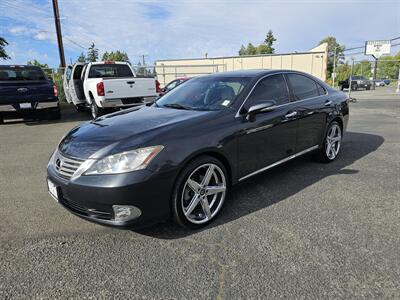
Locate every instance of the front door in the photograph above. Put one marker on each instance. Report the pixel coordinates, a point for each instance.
(271, 136)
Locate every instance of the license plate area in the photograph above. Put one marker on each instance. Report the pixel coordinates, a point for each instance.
(25, 105)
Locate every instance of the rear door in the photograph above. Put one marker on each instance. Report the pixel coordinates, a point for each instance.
(66, 79)
(74, 82)
(271, 137)
(310, 102)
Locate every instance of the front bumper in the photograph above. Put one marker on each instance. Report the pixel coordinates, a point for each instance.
(16, 107)
(92, 197)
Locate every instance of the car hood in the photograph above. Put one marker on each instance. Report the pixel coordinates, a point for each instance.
(92, 139)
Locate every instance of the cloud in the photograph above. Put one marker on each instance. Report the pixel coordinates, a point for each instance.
(181, 29)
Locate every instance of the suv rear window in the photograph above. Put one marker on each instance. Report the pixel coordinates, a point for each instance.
(21, 73)
(110, 70)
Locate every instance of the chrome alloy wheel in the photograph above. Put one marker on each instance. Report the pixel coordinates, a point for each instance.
(203, 193)
(333, 141)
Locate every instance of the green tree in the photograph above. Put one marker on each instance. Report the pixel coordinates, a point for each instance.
(343, 71)
(116, 56)
(363, 68)
(268, 42)
(263, 48)
(82, 58)
(388, 68)
(93, 53)
(251, 50)
(3, 53)
(242, 50)
(332, 45)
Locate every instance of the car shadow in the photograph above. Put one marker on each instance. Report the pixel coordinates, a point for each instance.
(68, 114)
(277, 184)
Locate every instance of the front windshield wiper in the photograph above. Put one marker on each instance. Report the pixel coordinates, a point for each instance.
(178, 106)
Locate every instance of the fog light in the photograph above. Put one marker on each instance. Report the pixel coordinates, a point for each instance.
(125, 212)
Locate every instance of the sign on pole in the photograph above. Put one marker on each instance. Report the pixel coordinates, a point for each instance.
(377, 48)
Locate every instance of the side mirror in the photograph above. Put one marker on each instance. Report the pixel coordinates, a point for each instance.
(265, 106)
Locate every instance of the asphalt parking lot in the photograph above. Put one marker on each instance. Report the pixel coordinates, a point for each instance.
(301, 230)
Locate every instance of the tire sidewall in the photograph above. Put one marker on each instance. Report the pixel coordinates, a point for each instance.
(177, 210)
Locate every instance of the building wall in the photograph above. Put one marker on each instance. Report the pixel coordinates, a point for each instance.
(313, 62)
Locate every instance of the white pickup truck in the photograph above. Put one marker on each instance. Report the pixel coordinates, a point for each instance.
(103, 85)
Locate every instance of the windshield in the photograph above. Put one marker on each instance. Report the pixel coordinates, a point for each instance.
(21, 73)
(205, 93)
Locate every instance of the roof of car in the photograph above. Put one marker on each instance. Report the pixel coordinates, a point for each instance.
(250, 73)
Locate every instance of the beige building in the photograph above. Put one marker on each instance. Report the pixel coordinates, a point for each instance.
(313, 62)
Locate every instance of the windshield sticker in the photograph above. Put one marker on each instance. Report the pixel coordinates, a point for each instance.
(226, 103)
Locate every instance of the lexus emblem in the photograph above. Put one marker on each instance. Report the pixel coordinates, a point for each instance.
(58, 163)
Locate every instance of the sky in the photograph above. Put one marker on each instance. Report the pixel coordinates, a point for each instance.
(189, 28)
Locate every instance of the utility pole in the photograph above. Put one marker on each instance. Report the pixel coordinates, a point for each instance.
(350, 77)
(334, 68)
(375, 67)
(58, 31)
(143, 61)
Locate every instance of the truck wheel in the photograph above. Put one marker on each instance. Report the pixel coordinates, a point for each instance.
(95, 111)
(354, 87)
(1, 119)
(341, 87)
(79, 107)
(368, 88)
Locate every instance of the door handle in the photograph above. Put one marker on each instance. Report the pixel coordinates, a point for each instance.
(291, 115)
(328, 103)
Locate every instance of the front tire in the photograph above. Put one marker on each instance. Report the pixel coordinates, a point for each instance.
(332, 143)
(354, 87)
(199, 192)
(1, 119)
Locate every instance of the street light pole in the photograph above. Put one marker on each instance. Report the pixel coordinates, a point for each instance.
(58, 31)
(334, 67)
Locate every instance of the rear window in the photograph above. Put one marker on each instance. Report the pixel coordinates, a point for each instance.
(110, 70)
(21, 73)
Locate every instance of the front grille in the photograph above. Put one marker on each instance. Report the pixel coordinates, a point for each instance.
(66, 166)
(132, 100)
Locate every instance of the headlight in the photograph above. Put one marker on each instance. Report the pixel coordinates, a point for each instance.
(124, 162)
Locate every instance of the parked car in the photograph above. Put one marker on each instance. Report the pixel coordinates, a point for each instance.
(379, 82)
(386, 81)
(26, 89)
(173, 84)
(180, 156)
(105, 85)
(357, 82)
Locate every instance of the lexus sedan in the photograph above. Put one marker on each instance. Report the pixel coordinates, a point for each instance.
(179, 157)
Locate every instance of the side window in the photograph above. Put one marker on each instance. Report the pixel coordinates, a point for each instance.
(321, 89)
(68, 72)
(270, 88)
(302, 86)
(172, 85)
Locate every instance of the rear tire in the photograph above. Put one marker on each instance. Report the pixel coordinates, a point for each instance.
(341, 87)
(1, 119)
(196, 200)
(79, 107)
(354, 87)
(95, 111)
(330, 148)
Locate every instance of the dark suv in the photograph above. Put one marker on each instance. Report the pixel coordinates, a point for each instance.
(357, 82)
